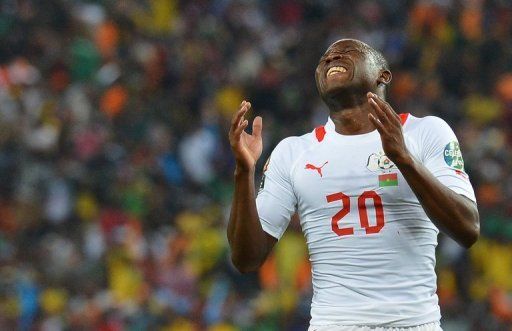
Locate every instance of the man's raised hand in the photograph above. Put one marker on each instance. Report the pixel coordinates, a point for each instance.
(388, 123)
(246, 147)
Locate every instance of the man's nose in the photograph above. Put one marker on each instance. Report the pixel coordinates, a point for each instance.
(332, 57)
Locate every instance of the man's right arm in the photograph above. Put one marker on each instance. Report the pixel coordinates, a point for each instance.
(250, 244)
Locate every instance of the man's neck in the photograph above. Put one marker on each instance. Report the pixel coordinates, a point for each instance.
(353, 120)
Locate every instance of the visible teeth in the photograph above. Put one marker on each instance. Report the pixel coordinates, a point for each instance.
(335, 70)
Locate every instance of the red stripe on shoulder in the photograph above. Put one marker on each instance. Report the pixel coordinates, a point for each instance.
(320, 133)
(403, 117)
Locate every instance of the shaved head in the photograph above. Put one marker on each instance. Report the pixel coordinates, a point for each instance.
(348, 70)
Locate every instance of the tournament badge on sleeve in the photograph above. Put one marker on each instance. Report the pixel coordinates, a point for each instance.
(379, 162)
(453, 158)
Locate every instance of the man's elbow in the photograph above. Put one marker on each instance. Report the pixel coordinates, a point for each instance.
(469, 219)
(244, 265)
(473, 234)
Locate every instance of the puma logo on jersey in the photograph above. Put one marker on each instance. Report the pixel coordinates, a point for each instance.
(314, 167)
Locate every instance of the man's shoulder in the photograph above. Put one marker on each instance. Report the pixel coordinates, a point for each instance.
(425, 124)
(293, 146)
(430, 120)
(305, 140)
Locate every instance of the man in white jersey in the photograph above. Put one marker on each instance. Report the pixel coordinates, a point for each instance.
(371, 189)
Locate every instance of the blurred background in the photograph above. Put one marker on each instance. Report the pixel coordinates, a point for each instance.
(116, 172)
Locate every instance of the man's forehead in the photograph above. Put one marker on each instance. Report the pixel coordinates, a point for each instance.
(347, 42)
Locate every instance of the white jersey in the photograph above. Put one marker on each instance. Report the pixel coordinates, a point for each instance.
(371, 245)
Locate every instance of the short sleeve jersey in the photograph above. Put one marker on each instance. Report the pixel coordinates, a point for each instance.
(371, 245)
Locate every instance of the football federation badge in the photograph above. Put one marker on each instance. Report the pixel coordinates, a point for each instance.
(379, 162)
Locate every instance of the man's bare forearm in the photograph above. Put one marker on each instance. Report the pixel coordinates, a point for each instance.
(250, 245)
(451, 212)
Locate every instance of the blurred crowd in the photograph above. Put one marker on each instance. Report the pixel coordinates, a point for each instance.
(116, 172)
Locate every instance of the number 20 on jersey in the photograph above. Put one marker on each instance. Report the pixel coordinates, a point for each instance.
(363, 213)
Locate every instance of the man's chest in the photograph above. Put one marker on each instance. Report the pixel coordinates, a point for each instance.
(356, 172)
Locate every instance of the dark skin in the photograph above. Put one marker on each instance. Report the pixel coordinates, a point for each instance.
(355, 97)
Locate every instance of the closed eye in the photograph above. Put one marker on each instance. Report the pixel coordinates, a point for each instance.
(345, 51)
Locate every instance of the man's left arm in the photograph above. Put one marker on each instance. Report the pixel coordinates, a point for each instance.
(453, 213)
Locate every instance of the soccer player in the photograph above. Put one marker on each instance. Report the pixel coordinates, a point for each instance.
(371, 189)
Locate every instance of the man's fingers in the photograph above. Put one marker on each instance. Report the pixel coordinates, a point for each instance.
(240, 128)
(377, 123)
(383, 104)
(238, 116)
(383, 118)
(386, 108)
(257, 126)
(247, 106)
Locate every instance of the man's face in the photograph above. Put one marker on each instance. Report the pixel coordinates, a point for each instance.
(346, 65)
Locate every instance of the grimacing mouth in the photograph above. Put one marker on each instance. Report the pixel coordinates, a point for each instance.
(335, 69)
(342, 65)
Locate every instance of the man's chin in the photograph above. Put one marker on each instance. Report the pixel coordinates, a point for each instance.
(335, 90)
(345, 95)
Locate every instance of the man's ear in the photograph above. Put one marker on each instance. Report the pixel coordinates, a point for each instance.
(384, 77)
